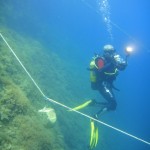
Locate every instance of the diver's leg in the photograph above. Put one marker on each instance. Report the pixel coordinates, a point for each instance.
(100, 112)
(106, 91)
(98, 104)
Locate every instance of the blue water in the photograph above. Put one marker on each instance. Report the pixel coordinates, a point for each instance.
(75, 30)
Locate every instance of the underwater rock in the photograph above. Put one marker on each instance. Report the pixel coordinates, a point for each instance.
(51, 114)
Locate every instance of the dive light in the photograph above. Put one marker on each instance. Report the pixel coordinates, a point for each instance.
(128, 50)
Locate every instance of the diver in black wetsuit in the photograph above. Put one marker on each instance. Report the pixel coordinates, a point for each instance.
(103, 71)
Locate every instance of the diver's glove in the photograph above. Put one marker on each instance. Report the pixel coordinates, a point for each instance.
(119, 62)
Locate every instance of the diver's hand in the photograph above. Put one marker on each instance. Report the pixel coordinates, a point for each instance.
(120, 62)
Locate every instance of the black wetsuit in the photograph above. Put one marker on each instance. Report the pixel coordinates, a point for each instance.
(104, 83)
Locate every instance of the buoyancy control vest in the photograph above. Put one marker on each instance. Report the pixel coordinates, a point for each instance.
(97, 64)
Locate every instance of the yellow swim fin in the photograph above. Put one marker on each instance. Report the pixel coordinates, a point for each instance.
(94, 135)
(82, 105)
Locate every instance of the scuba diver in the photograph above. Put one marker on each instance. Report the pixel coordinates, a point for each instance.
(103, 71)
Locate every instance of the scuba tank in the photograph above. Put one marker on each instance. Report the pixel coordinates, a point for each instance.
(92, 71)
